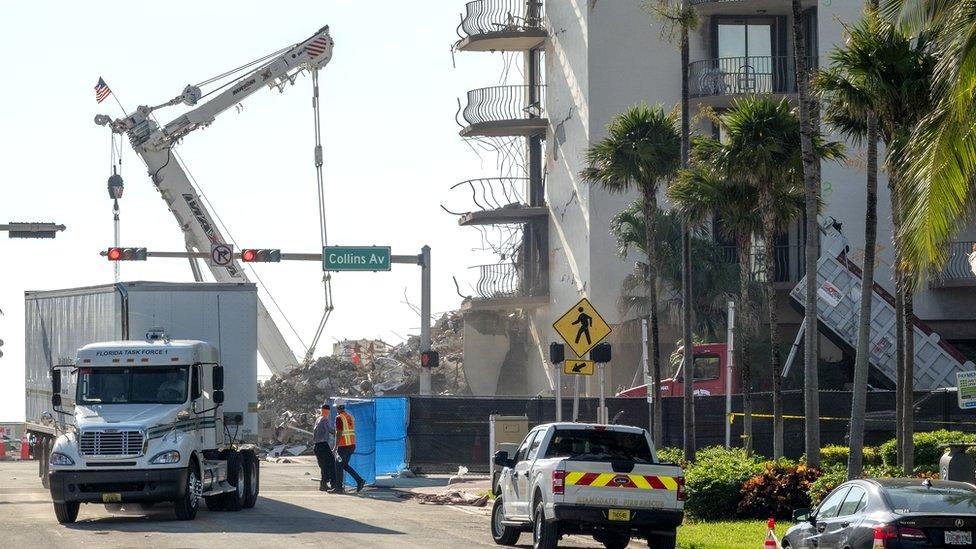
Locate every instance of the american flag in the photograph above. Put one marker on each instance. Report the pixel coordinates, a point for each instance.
(101, 90)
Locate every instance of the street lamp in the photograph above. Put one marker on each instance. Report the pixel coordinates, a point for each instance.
(16, 229)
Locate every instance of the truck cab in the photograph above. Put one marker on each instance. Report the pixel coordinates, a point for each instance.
(148, 427)
(711, 362)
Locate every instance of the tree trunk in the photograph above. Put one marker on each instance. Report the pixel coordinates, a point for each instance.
(899, 324)
(744, 331)
(686, 311)
(811, 187)
(908, 398)
(654, 352)
(769, 285)
(861, 364)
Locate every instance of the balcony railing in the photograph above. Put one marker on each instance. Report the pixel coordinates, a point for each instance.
(505, 110)
(743, 75)
(483, 17)
(788, 262)
(957, 271)
(505, 280)
(496, 201)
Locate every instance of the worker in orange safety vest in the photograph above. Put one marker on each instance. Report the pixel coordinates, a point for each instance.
(345, 447)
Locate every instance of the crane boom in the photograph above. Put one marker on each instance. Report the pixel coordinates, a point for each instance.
(154, 144)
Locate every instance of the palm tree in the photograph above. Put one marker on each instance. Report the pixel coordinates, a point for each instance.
(811, 187)
(700, 195)
(940, 158)
(713, 280)
(641, 151)
(762, 150)
(877, 86)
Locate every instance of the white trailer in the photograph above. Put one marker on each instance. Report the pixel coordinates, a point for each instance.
(143, 392)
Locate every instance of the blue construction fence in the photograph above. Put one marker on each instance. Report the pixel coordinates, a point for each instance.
(381, 437)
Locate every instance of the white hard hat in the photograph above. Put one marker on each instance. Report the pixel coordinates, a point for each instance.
(340, 402)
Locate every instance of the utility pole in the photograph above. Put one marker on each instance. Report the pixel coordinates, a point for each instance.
(424, 316)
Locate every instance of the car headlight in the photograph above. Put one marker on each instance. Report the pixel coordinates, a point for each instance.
(61, 459)
(169, 456)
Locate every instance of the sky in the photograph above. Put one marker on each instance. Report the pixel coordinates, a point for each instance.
(391, 148)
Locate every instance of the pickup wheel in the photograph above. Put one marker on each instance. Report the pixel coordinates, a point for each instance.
(66, 512)
(612, 540)
(503, 535)
(663, 541)
(545, 533)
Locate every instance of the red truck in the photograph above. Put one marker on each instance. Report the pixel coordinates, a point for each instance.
(711, 370)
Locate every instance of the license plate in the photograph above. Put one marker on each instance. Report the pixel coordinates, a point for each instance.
(111, 498)
(958, 537)
(619, 514)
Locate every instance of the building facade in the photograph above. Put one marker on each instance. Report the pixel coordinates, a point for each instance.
(584, 61)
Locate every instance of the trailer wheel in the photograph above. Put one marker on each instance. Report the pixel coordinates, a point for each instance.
(66, 512)
(252, 478)
(186, 507)
(236, 477)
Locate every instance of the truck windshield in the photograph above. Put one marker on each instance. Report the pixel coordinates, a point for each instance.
(593, 445)
(137, 385)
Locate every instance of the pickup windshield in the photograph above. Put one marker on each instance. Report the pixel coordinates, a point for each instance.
(593, 445)
(135, 385)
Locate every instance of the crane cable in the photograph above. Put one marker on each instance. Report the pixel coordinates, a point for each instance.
(323, 231)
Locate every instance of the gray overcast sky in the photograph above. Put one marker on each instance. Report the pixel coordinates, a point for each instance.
(390, 141)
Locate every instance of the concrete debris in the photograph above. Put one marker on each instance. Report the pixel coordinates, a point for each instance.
(270, 459)
(298, 394)
(452, 497)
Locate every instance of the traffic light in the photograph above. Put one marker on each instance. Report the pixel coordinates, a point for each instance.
(253, 255)
(557, 353)
(126, 254)
(430, 359)
(601, 353)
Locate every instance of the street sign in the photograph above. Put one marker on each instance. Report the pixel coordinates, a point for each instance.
(966, 381)
(582, 327)
(356, 258)
(221, 255)
(578, 367)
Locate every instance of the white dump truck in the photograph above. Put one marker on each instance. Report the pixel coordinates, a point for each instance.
(145, 392)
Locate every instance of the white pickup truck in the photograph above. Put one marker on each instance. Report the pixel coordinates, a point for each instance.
(576, 478)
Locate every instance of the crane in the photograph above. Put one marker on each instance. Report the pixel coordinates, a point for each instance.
(154, 143)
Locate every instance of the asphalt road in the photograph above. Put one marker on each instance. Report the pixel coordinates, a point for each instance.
(290, 512)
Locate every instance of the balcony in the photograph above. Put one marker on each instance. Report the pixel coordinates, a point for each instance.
(957, 272)
(734, 76)
(501, 25)
(497, 201)
(788, 263)
(502, 286)
(501, 111)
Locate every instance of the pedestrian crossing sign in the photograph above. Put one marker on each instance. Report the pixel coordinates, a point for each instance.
(582, 327)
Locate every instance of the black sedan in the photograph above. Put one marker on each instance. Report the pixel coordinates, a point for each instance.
(901, 513)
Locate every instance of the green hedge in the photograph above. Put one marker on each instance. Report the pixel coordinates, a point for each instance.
(831, 456)
(714, 482)
(670, 455)
(927, 450)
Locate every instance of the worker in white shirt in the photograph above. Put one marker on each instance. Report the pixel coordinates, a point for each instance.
(323, 437)
(972, 259)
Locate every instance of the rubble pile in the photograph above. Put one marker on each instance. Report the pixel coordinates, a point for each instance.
(298, 394)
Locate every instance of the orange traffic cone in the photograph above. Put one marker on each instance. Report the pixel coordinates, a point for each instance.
(771, 541)
(24, 447)
(878, 538)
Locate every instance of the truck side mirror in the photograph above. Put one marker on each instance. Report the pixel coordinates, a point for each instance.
(502, 459)
(55, 380)
(218, 379)
(218, 396)
(56, 400)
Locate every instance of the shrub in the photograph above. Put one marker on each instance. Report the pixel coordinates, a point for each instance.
(830, 478)
(670, 455)
(780, 488)
(714, 482)
(838, 455)
(927, 450)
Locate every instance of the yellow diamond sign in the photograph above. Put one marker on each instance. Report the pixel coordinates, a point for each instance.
(582, 327)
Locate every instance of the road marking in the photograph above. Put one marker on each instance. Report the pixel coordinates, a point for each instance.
(465, 510)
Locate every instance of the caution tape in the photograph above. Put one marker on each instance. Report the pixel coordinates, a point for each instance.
(733, 415)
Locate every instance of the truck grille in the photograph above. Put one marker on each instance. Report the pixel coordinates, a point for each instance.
(111, 443)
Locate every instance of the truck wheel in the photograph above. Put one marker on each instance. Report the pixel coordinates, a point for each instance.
(66, 512)
(252, 478)
(503, 535)
(187, 506)
(545, 533)
(663, 541)
(236, 477)
(612, 540)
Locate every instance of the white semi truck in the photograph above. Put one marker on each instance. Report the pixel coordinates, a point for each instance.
(145, 392)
